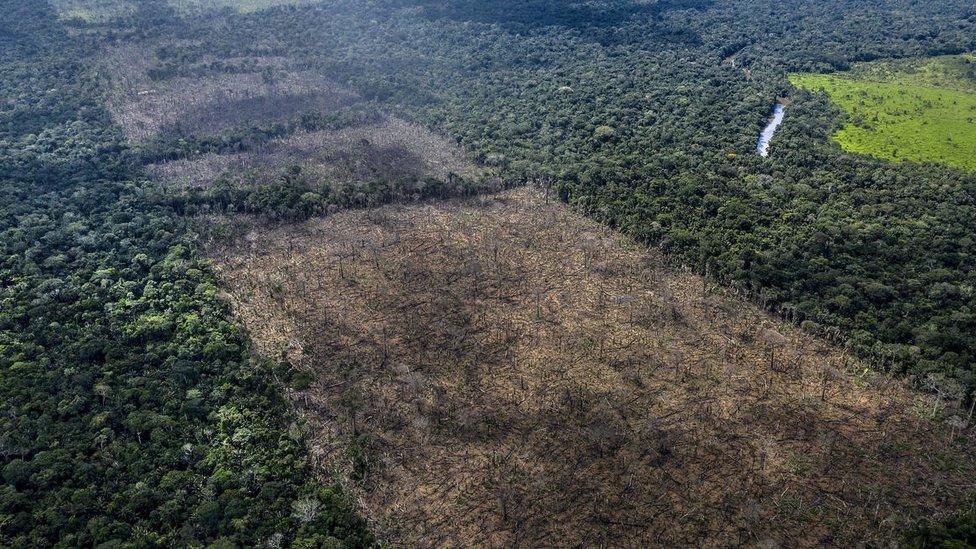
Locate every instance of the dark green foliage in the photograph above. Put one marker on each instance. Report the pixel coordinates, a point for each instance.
(132, 411)
(292, 198)
(955, 532)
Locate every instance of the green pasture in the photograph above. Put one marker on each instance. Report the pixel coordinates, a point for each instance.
(918, 111)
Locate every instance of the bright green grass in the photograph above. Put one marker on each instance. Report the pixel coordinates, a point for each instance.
(919, 111)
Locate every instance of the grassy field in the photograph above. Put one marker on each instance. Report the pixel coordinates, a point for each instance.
(919, 111)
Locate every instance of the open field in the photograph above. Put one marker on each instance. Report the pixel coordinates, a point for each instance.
(914, 111)
(501, 371)
(953, 72)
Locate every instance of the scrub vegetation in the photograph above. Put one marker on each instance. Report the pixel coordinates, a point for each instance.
(920, 112)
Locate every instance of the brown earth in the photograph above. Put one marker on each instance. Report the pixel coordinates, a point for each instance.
(501, 371)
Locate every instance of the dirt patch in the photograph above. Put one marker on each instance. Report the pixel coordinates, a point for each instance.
(501, 371)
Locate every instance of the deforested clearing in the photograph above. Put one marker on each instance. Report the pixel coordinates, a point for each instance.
(385, 148)
(92, 10)
(148, 99)
(243, 6)
(272, 118)
(501, 371)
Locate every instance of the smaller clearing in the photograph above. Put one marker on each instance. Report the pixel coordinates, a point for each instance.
(148, 107)
(919, 111)
(155, 102)
(501, 371)
(386, 148)
(242, 6)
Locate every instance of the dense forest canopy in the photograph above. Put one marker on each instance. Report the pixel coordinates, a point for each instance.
(132, 407)
(132, 413)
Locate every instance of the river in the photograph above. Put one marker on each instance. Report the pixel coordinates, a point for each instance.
(779, 111)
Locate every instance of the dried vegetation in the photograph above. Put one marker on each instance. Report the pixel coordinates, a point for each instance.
(100, 11)
(384, 148)
(263, 90)
(212, 98)
(501, 371)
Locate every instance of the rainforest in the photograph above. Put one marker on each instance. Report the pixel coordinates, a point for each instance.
(357, 273)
